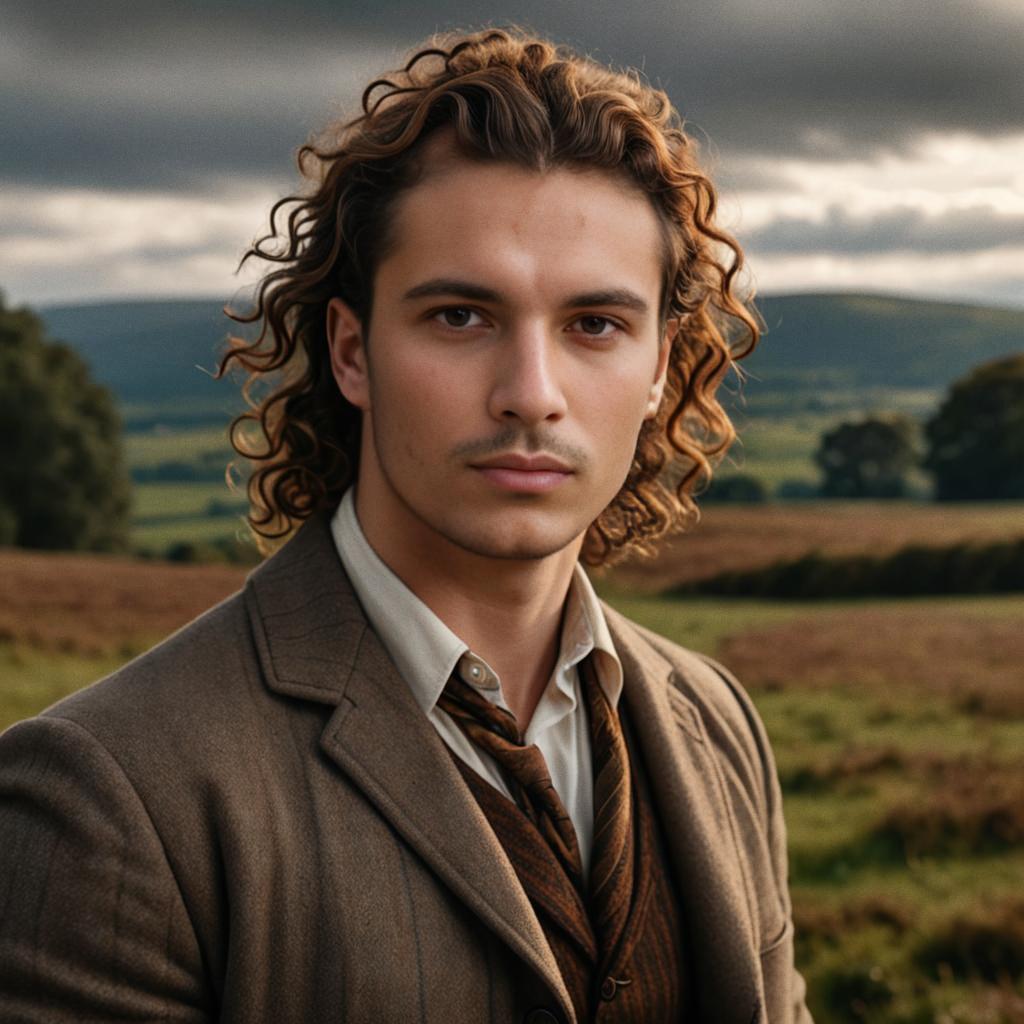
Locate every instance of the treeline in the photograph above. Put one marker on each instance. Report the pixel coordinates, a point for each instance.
(964, 568)
(972, 447)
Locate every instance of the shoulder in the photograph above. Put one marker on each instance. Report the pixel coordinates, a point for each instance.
(204, 662)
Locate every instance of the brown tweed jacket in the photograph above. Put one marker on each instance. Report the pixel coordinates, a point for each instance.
(255, 822)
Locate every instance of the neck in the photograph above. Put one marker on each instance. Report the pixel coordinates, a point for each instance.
(509, 611)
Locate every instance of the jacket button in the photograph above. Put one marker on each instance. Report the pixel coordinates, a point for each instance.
(540, 1017)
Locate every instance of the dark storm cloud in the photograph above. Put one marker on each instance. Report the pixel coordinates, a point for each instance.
(901, 229)
(159, 95)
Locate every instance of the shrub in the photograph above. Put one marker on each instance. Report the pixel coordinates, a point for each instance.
(736, 488)
(966, 812)
(980, 945)
(965, 568)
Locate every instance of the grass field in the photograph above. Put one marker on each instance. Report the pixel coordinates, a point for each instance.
(189, 444)
(898, 728)
(166, 513)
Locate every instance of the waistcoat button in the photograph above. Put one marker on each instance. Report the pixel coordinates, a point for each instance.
(611, 985)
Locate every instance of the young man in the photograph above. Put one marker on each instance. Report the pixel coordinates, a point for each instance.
(416, 770)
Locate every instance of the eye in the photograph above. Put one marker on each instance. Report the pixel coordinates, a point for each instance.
(456, 316)
(596, 326)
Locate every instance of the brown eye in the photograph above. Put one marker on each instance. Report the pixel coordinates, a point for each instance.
(457, 316)
(594, 324)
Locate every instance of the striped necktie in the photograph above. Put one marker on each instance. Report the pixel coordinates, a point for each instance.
(495, 731)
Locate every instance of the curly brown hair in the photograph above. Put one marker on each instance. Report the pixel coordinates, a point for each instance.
(507, 96)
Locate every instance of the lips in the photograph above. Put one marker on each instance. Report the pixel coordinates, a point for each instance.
(524, 474)
(524, 463)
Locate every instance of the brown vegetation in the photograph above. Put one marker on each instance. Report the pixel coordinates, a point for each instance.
(924, 648)
(833, 923)
(755, 536)
(853, 763)
(90, 604)
(986, 944)
(969, 808)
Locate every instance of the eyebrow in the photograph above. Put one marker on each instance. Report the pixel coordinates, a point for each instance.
(623, 298)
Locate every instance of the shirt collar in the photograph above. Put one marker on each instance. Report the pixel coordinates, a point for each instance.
(425, 651)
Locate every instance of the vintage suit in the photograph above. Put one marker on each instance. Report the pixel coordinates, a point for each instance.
(255, 822)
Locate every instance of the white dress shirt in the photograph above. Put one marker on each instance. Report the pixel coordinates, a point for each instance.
(426, 652)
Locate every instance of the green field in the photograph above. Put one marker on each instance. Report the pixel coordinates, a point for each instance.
(164, 444)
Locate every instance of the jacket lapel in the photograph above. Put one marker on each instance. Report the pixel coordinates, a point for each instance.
(314, 643)
(697, 823)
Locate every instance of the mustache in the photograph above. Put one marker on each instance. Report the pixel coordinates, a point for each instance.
(516, 439)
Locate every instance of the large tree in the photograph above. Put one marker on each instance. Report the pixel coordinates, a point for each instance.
(867, 459)
(976, 439)
(63, 482)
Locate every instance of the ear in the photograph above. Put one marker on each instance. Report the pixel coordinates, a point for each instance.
(661, 371)
(348, 353)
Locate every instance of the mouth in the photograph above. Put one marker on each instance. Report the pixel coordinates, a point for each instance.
(524, 474)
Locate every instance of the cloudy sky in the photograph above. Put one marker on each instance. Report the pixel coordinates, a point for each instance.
(875, 145)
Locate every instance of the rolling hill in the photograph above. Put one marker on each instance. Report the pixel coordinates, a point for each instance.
(162, 352)
(880, 341)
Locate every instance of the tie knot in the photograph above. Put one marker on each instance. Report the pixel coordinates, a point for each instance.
(470, 707)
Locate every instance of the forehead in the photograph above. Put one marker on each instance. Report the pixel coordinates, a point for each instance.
(559, 229)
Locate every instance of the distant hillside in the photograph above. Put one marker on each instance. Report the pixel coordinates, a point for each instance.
(155, 352)
(148, 352)
(874, 340)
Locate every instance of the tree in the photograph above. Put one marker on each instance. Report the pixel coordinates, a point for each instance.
(867, 459)
(62, 478)
(976, 439)
(740, 488)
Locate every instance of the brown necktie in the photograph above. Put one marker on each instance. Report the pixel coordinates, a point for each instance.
(610, 898)
(495, 731)
(611, 872)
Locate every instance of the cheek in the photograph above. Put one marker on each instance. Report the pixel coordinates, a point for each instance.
(616, 403)
(417, 398)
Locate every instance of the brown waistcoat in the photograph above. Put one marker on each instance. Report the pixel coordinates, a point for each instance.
(650, 958)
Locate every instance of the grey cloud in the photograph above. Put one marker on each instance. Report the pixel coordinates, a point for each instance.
(902, 229)
(155, 95)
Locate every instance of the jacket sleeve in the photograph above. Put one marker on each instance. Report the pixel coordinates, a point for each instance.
(93, 926)
(788, 995)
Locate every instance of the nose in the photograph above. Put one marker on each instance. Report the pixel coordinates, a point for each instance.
(527, 385)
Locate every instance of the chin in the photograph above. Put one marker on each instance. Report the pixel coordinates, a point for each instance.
(511, 543)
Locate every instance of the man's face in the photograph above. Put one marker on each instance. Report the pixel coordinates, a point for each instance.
(514, 352)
